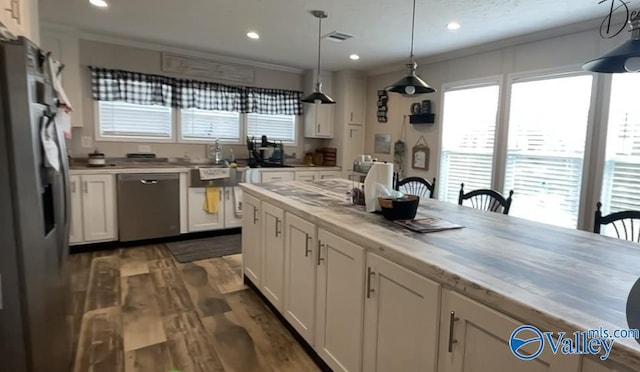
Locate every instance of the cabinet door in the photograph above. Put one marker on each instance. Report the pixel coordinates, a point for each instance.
(251, 239)
(325, 121)
(306, 176)
(273, 254)
(13, 16)
(329, 174)
(75, 228)
(353, 145)
(401, 318)
(474, 337)
(357, 100)
(199, 218)
(232, 207)
(99, 207)
(340, 309)
(277, 176)
(300, 275)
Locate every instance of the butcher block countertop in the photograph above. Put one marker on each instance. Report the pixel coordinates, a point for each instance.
(554, 278)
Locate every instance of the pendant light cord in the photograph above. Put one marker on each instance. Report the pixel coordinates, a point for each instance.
(319, 44)
(413, 28)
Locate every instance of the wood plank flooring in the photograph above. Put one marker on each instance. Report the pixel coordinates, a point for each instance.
(137, 309)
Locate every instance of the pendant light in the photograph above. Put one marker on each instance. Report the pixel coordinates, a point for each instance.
(317, 96)
(624, 58)
(411, 84)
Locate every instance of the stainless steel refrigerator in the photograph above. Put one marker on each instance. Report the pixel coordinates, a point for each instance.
(34, 217)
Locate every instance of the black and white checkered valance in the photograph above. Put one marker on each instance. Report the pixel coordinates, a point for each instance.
(146, 89)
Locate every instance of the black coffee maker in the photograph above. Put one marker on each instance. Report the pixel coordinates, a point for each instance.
(265, 153)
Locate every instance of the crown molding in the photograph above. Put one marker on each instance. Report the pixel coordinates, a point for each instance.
(135, 43)
(574, 28)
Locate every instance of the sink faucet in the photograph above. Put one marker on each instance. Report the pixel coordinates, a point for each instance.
(214, 151)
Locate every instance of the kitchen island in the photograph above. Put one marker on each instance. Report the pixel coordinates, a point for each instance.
(368, 294)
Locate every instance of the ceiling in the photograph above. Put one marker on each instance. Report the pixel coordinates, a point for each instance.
(382, 28)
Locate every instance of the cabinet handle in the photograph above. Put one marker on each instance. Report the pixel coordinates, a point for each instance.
(318, 127)
(320, 245)
(307, 251)
(255, 218)
(370, 273)
(85, 187)
(73, 187)
(226, 193)
(452, 319)
(351, 115)
(277, 227)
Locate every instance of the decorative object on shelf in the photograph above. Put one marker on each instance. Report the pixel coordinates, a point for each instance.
(422, 119)
(383, 97)
(194, 66)
(382, 144)
(317, 96)
(624, 58)
(411, 84)
(420, 155)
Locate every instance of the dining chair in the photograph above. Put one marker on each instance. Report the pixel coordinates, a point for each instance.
(417, 186)
(486, 199)
(622, 222)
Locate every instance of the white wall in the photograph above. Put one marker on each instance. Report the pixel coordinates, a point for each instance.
(559, 52)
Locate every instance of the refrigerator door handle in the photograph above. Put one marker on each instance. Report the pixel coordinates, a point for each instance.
(64, 230)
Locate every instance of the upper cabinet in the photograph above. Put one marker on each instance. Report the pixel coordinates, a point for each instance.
(21, 18)
(351, 91)
(64, 46)
(318, 119)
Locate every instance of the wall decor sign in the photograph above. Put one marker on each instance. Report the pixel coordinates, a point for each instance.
(382, 144)
(420, 155)
(383, 98)
(193, 66)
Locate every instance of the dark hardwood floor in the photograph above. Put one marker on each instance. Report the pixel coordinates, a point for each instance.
(137, 309)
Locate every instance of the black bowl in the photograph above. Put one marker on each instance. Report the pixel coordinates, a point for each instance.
(401, 209)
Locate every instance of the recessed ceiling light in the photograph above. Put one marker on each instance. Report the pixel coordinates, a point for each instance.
(99, 3)
(354, 57)
(453, 25)
(253, 35)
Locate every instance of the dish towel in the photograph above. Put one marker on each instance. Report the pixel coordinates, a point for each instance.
(211, 199)
(237, 201)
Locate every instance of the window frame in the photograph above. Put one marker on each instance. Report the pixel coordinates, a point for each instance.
(296, 126)
(180, 139)
(98, 137)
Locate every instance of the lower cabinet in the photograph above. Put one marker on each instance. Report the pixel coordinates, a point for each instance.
(75, 228)
(401, 319)
(474, 337)
(93, 208)
(277, 176)
(251, 239)
(306, 176)
(199, 218)
(340, 307)
(301, 251)
(273, 254)
(323, 175)
(232, 207)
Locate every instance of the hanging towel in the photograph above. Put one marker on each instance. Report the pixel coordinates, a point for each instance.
(237, 201)
(211, 199)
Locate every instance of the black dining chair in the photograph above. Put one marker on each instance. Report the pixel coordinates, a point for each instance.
(486, 199)
(417, 186)
(625, 223)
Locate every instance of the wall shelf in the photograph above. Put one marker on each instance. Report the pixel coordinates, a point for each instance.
(422, 118)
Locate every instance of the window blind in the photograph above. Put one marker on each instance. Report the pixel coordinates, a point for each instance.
(275, 127)
(196, 124)
(119, 119)
(547, 130)
(468, 136)
(621, 184)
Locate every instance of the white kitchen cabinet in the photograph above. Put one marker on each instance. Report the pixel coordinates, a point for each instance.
(306, 176)
(13, 14)
(231, 216)
(251, 239)
(64, 46)
(273, 254)
(474, 337)
(277, 176)
(98, 207)
(199, 218)
(318, 119)
(75, 228)
(356, 103)
(350, 89)
(323, 175)
(340, 307)
(300, 275)
(401, 318)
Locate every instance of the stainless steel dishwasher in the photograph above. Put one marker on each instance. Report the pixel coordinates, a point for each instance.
(148, 206)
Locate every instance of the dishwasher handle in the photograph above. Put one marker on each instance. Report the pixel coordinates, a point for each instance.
(148, 182)
(148, 178)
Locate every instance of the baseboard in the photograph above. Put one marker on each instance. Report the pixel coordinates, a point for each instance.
(305, 345)
(105, 246)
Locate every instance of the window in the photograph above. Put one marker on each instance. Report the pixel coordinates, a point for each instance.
(468, 135)
(205, 125)
(621, 184)
(275, 127)
(118, 120)
(547, 130)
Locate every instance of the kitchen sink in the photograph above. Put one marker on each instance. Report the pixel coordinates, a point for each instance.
(232, 178)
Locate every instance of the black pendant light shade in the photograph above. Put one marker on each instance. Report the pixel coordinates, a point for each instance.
(411, 84)
(624, 58)
(317, 96)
